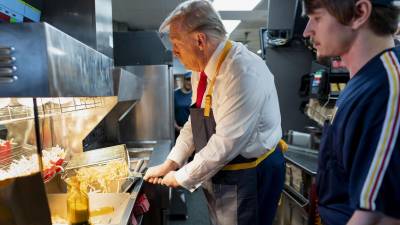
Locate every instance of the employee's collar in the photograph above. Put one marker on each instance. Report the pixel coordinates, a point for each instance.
(212, 62)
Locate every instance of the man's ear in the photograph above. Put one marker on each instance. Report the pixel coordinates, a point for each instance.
(363, 10)
(201, 40)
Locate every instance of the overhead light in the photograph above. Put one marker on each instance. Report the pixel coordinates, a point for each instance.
(230, 25)
(235, 5)
(259, 51)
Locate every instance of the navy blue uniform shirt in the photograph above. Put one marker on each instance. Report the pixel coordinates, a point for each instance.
(182, 103)
(359, 161)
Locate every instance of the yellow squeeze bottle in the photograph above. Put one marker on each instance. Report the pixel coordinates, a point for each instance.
(77, 203)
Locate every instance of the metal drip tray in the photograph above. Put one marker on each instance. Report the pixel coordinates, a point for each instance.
(140, 153)
(139, 156)
(141, 144)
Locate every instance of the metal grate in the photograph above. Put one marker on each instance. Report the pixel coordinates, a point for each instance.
(22, 108)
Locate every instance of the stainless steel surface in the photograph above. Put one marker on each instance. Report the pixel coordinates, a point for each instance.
(158, 195)
(306, 159)
(93, 16)
(152, 117)
(62, 123)
(129, 89)
(141, 144)
(140, 152)
(56, 64)
(298, 203)
(104, 27)
(299, 139)
(296, 198)
(290, 213)
(127, 86)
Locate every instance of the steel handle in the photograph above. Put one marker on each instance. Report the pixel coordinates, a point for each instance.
(139, 165)
(6, 50)
(7, 60)
(7, 80)
(7, 71)
(296, 198)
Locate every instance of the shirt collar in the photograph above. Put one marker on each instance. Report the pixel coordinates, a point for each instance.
(212, 62)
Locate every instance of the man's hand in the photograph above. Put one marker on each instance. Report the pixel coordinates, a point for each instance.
(170, 181)
(371, 218)
(155, 174)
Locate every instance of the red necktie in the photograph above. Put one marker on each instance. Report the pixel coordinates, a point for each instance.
(201, 88)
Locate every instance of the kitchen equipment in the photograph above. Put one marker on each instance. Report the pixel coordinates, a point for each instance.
(106, 170)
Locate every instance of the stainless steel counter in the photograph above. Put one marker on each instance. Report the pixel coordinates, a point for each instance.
(159, 153)
(298, 203)
(304, 158)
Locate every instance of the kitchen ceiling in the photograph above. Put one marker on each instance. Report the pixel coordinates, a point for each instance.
(148, 15)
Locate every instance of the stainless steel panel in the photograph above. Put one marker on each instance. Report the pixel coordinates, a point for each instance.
(65, 124)
(104, 27)
(127, 86)
(152, 117)
(93, 16)
(49, 63)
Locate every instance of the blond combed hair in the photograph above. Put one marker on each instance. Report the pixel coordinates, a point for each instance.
(196, 15)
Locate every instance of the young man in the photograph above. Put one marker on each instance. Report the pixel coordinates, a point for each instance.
(233, 130)
(359, 170)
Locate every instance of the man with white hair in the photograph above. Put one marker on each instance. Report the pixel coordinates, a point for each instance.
(234, 130)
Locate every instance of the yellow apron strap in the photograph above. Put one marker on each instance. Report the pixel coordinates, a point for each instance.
(241, 166)
(248, 165)
(283, 146)
(208, 100)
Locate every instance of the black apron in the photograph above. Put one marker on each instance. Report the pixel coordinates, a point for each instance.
(238, 197)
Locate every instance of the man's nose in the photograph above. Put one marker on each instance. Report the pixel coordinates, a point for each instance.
(307, 31)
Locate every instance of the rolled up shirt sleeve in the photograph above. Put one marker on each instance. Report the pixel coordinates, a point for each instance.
(184, 145)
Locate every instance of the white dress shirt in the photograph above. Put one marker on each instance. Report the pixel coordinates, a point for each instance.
(246, 111)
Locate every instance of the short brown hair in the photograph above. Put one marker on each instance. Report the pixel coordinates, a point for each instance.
(383, 19)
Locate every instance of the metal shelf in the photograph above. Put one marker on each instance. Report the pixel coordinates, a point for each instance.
(23, 110)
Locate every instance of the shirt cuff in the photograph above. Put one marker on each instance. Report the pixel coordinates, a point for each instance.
(177, 156)
(184, 180)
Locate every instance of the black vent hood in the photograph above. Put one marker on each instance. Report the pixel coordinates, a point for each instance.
(140, 48)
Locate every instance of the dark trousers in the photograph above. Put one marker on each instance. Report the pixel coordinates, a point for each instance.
(248, 196)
